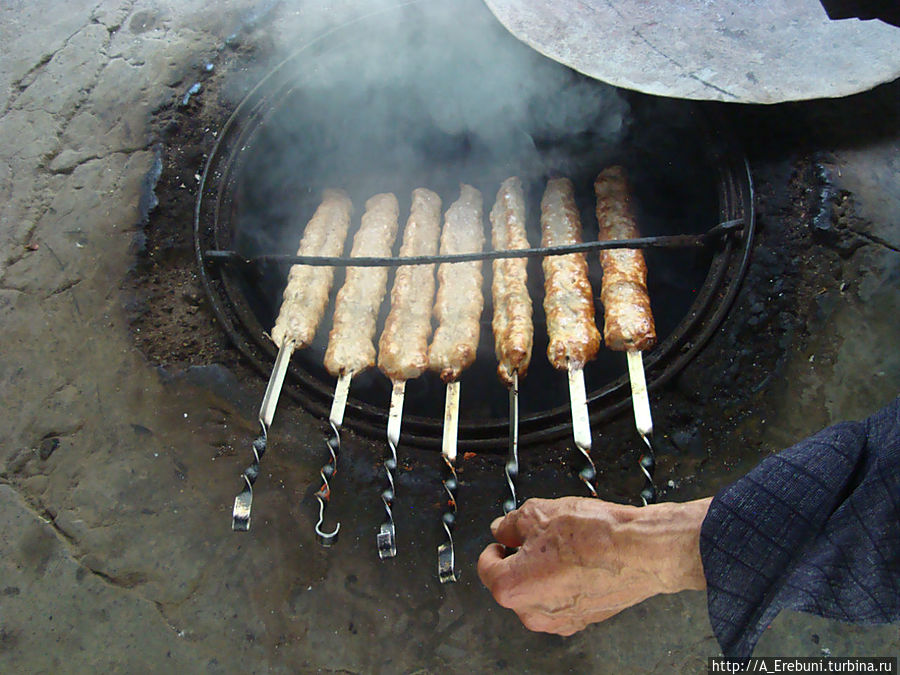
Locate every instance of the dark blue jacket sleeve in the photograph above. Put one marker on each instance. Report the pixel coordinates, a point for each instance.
(815, 528)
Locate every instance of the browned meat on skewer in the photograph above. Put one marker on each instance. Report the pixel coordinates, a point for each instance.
(403, 348)
(568, 298)
(351, 348)
(628, 322)
(513, 328)
(306, 293)
(459, 300)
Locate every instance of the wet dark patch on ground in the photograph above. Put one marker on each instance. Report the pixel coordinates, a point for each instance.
(167, 309)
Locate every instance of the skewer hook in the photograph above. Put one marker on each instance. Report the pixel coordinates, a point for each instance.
(243, 502)
(329, 470)
(240, 514)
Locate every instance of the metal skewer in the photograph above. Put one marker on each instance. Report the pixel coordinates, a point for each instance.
(581, 425)
(512, 460)
(240, 514)
(329, 470)
(386, 539)
(643, 420)
(446, 557)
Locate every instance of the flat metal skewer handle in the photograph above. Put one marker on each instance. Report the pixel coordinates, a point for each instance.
(640, 400)
(243, 502)
(387, 537)
(329, 470)
(447, 571)
(581, 426)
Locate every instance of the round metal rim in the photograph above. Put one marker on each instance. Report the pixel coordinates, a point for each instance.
(690, 336)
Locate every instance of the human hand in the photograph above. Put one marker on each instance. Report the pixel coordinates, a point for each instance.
(582, 560)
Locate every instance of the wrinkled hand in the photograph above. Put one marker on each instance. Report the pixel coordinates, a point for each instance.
(581, 560)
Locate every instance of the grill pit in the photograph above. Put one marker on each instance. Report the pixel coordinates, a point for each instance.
(322, 119)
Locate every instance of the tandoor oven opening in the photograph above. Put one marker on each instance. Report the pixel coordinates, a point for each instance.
(394, 103)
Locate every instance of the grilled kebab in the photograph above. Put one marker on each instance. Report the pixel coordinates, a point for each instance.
(628, 321)
(306, 293)
(459, 301)
(403, 348)
(350, 344)
(513, 329)
(568, 298)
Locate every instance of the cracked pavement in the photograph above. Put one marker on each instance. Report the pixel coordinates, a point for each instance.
(116, 478)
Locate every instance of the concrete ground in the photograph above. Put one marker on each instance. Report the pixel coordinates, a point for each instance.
(117, 478)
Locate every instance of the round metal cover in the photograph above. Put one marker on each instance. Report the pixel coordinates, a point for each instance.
(718, 50)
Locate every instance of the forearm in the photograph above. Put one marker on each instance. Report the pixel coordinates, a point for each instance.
(815, 528)
(674, 530)
(659, 542)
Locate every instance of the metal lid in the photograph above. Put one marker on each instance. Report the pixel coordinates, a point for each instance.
(720, 50)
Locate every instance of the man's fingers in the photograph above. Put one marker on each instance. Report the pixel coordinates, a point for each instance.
(507, 530)
(492, 565)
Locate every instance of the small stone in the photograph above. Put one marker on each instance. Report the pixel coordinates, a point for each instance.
(192, 296)
(48, 447)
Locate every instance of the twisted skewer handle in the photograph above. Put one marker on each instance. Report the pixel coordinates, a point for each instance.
(240, 514)
(512, 460)
(647, 463)
(387, 538)
(329, 470)
(447, 571)
(446, 557)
